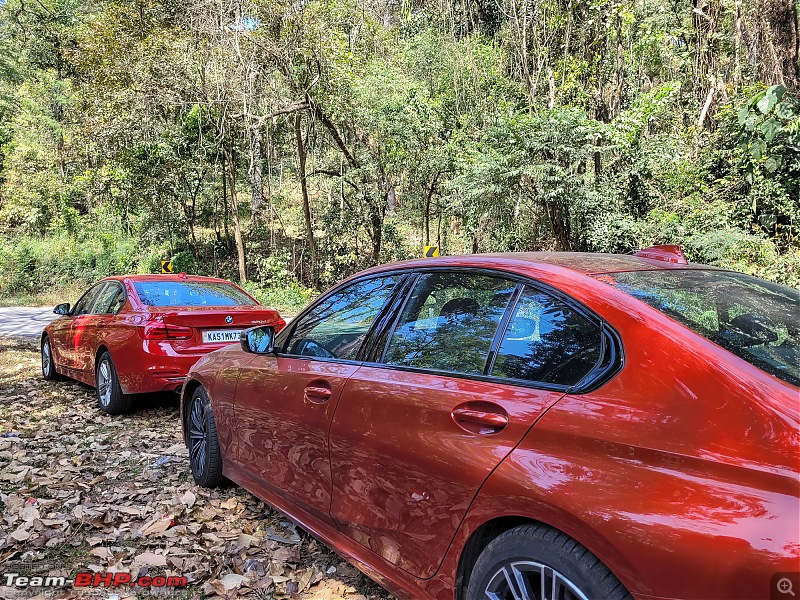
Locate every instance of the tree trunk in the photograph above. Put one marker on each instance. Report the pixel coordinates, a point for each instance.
(225, 202)
(391, 200)
(255, 170)
(376, 235)
(237, 226)
(301, 159)
(775, 42)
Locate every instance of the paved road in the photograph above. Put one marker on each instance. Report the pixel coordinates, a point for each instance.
(23, 321)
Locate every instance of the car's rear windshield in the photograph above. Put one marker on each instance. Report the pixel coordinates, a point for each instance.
(190, 293)
(757, 320)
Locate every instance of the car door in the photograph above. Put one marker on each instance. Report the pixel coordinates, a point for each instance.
(69, 336)
(89, 327)
(415, 436)
(104, 324)
(285, 402)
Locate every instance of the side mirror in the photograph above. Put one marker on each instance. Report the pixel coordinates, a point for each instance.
(62, 309)
(258, 340)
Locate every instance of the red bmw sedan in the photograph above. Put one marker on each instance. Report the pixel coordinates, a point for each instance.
(133, 334)
(544, 426)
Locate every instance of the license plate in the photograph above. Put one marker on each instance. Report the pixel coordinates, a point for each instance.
(221, 336)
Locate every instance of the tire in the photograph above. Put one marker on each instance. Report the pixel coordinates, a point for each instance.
(110, 398)
(48, 364)
(205, 460)
(535, 555)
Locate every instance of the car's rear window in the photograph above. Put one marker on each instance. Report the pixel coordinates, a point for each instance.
(757, 320)
(190, 293)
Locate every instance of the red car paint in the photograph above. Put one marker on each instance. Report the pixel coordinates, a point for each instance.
(681, 472)
(145, 356)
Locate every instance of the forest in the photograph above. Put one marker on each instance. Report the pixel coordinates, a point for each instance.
(285, 144)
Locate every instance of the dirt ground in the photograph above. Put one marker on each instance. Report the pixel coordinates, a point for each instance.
(83, 491)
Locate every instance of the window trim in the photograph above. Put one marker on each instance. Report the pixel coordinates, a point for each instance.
(286, 335)
(598, 376)
(401, 309)
(102, 285)
(490, 363)
(124, 297)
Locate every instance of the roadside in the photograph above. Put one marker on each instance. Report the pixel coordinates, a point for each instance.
(80, 490)
(25, 321)
(44, 299)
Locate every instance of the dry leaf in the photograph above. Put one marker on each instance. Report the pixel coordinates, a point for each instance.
(151, 559)
(229, 504)
(20, 535)
(102, 553)
(188, 498)
(108, 507)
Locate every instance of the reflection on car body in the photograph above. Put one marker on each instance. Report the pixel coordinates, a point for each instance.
(525, 426)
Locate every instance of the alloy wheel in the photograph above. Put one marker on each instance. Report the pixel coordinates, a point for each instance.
(104, 383)
(527, 580)
(46, 357)
(197, 435)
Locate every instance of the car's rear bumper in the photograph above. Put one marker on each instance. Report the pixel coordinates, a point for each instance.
(155, 367)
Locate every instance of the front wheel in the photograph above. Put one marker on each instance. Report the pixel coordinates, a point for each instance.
(48, 364)
(537, 562)
(205, 459)
(109, 392)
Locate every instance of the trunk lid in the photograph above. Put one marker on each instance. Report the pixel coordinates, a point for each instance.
(202, 329)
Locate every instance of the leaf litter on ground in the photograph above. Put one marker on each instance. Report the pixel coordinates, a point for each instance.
(84, 491)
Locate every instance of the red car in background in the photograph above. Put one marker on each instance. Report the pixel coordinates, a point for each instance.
(134, 334)
(544, 426)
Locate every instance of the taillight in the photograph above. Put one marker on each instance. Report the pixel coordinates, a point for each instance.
(158, 330)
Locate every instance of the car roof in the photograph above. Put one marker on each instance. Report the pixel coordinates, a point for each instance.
(584, 263)
(165, 277)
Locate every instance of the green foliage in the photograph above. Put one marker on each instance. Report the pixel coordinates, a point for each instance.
(133, 132)
(287, 299)
(31, 265)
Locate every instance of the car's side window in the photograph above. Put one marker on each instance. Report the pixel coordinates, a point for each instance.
(449, 322)
(546, 341)
(110, 300)
(87, 301)
(337, 326)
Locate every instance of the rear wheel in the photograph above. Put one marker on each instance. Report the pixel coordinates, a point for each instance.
(537, 562)
(48, 364)
(109, 393)
(205, 459)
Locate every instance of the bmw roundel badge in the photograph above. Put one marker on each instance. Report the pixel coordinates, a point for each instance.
(229, 319)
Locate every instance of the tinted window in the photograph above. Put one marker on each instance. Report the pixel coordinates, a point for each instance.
(191, 293)
(110, 300)
(449, 322)
(757, 320)
(338, 324)
(547, 342)
(85, 304)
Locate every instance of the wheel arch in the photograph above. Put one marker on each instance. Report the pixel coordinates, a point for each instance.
(186, 394)
(485, 532)
(101, 349)
(477, 541)
(99, 352)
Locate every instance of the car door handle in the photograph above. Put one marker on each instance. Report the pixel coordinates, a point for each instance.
(480, 417)
(317, 394)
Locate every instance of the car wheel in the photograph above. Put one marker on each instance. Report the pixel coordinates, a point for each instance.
(109, 393)
(204, 456)
(537, 562)
(48, 364)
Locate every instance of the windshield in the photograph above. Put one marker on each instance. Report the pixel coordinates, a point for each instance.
(756, 320)
(191, 293)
